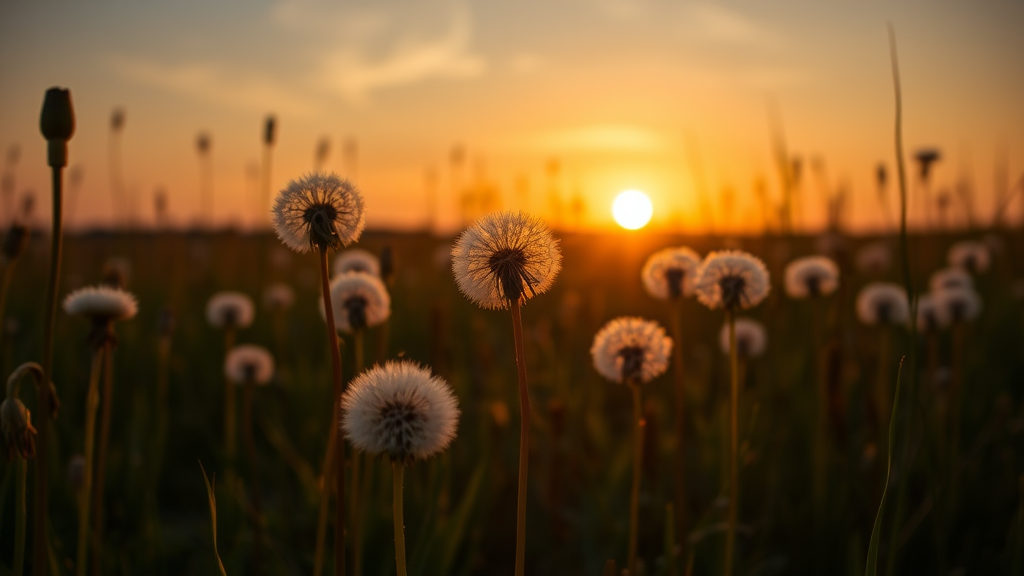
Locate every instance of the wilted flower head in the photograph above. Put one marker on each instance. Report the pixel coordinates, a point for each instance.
(950, 278)
(359, 301)
(930, 316)
(732, 280)
(874, 258)
(811, 276)
(970, 255)
(670, 272)
(505, 257)
(631, 350)
(357, 260)
(249, 363)
(751, 338)
(101, 304)
(318, 211)
(16, 423)
(229, 310)
(883, 303)
(278, 296)
(401, 410)
(960, 304)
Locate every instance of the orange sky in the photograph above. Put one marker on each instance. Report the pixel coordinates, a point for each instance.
(620, 92)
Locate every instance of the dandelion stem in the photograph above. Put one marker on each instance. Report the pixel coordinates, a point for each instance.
(634, 492)
(85, 495)
(734, 492)
(355, 510)
(20, 472)
(106, 399)
(398, 469)
(524, 439)
(680, 488)
(339, 473)
(254, 473)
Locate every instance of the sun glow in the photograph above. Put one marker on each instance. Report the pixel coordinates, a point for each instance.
(632, 209)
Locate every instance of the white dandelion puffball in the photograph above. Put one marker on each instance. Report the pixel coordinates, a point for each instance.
(874, 258)
(101, 303)
(883, 303)
(751, 338)
(631, 349)
(359, 301)
(731, 279)
(811, 276)
(356, 260)
(278, 296)
(930, 316)
(505, 257)
(318, 210)
(249, 363)
(670, 272)
(401, 410)
(950, 278)
(229, 310)
(959, 304)
(970, 255)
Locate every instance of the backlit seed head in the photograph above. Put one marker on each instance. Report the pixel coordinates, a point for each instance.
(229, 310)
(732, 280)
(359, 301)
(751, 338)
(249, 363)
(631, 350)
(356, 260)
(881, 303)
(811, 277)
(318, 211)
(971, 255)
(669, 273)
(101, 304)
(959, 304)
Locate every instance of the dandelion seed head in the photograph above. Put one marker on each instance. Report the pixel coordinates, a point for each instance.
(731, 279)
(101, 304)
(874, 258)
(318, 211)
(505, 257)
(670, 272)
(959, 304)
(359, 301)
(751, 338)
(278, 297)
(811, 277)
(249, 363)
(399, 409)
(16, 424)
(229, 310)
(950, 278)
(631, 349)
(883, 303)
(971, 255)
(356, 260)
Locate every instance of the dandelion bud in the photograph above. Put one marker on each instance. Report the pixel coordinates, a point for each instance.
(57, 123)
(117, 120)
(16, 422)
(15, 242)
(269, 130)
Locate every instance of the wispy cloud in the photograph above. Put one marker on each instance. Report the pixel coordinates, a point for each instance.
(714, 22)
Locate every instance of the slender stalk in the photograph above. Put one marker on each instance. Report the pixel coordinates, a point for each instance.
(882, 384)
(355, 507)
(679, 508)
(254, 474)
(85, 496)
(524, 439)
(734, 491)
(955, 389)
(325, 497)
(339, 473)
(398, 470)
(634, 492)
(230, 441)
(106, 405)
(20, 472)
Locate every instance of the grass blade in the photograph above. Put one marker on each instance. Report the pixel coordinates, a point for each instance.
(872, 562)
(213, 517)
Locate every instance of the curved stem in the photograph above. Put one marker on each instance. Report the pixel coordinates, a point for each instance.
(85, 495)
(734, 487)
(398, 470)
(20, 472)
(339, 473)
(680, 507)
(524, 439)
(106, 406)
(634, 492)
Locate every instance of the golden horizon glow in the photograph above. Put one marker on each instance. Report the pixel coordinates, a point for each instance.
(632, 209)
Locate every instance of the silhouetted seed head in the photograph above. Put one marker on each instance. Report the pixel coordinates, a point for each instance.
(881, 176)
(670, 273)
(278, 297)
(631, 350)
(505, 257)
(874, 258)
(270, 130)
(203, 143)
(731, 280)
(925, 158)
(959, 304)
(883, 303)
(57, 123)
(947, 278)
(356, 260)
(318, 211)
(751, 338)
(229, 310)
(359, 301)
(401, 410)
(930, 316)
(812, 276)
(102, 305)
(16, 423)
(117, 120)
(248, 363)
(971, 255)
(15, 242)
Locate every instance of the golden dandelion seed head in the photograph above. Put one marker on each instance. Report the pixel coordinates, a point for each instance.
(356, 260)
(670, 273)
(249, 363)
(951, 277)
(318, 211)
(731, 280)
(751, 338)
(631, 350)
(359, 301)
(881, 303)
(229, 310)
(811, 277)
(971, 255)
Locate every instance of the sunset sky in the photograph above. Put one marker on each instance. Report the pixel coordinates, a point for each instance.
(622, 93)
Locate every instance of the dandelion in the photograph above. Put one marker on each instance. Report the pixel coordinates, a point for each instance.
(19, 443)
(102, 306)
(881, 303)
(669, 273)
(322, 212)
(751, 338)
(359, 301)
(356, 260)
(499, 262)
(874, 259)
(401, 410)
(733, 281)
(971, 255)
(278, 297)
(229, 311)
(632, 351)
(247, 363)
(812, 276)
(952, 277)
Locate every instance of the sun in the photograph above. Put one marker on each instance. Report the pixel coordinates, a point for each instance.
(632, 209)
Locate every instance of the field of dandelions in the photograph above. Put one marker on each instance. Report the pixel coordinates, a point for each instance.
(512, 399)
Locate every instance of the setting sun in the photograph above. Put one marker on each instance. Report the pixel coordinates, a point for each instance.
(632, 209)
